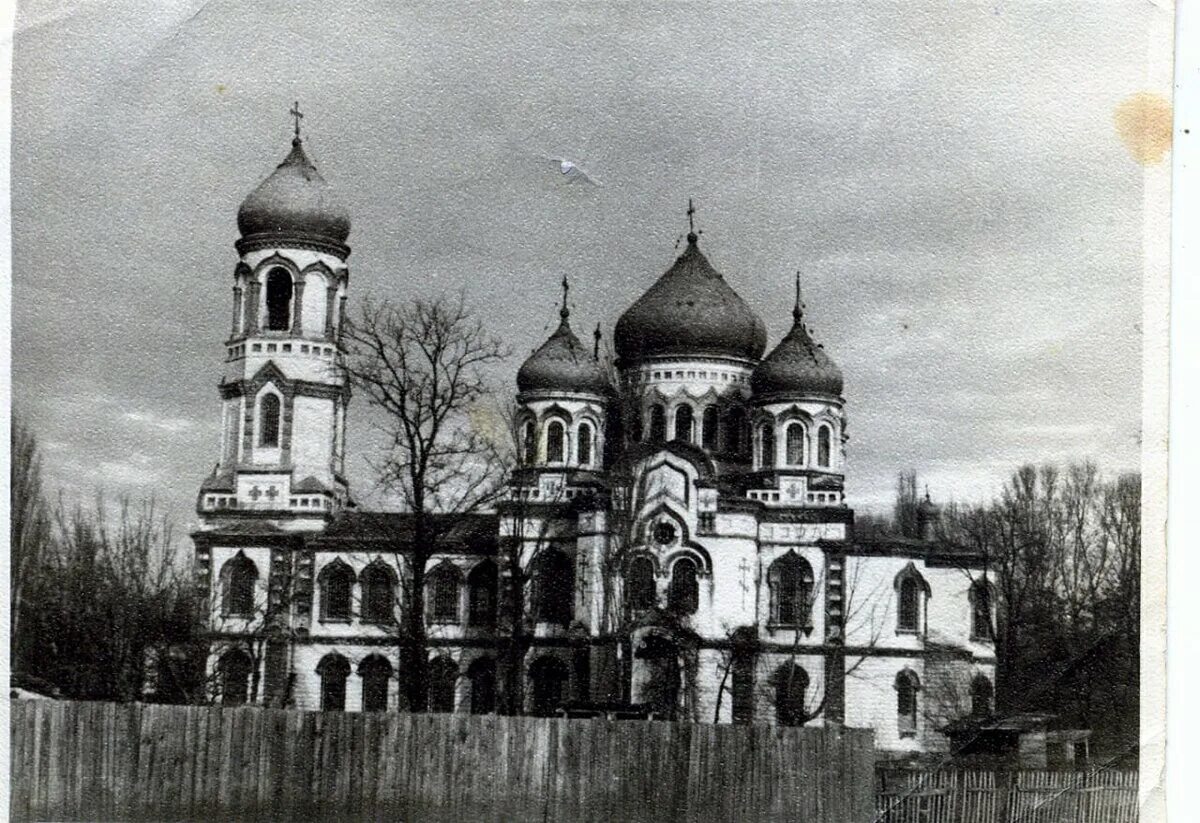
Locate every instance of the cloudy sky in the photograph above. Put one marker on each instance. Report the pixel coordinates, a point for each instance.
(946, 178)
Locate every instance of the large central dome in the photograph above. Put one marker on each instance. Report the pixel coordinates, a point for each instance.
(689, 311)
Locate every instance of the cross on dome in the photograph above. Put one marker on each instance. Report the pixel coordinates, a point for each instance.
(692, 233)
(297, 116)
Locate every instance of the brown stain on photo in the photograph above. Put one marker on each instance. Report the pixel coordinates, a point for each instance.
(1143, 122)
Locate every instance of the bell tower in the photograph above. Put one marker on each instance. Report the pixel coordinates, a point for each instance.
(283, 393)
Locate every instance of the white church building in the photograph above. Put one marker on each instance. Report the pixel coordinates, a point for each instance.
(683, 523)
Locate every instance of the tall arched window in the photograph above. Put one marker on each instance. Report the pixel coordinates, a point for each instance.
(639, 584)
(240, 578)
(907, 688)
(549, 679)
(683, 423)
(796, 435)
(766, 445)
(908, 618)
(279, 300)
(482, 674)
(528, 443)
(333, 669)
(337, 585)
(708, 428)
(235, 668)
(743, 687)
(981, 611)
(791, 684)
(268, 420)
(378, 594)
(658, 424)
(981, 696)
(442, 593)
(556, 442)
(790, 579)
(735, 432)
(481, 595)
(635, 425)
(824, 446)
(585, 444)
(684, 595)
(375, 672)
(553, 582)
(443, 677)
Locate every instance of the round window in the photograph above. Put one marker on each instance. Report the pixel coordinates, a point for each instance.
(664, 533)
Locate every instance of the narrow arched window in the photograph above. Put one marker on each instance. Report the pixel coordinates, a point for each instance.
(378, 604)
(791, 685)
(376, 673)
(279, 300)
(337, 584)
(333, 669)
(909, 613)
(585, 444)
(743, 686)
(556, 442)
(635, 425)
(735, 427)
(708, 428)
(482, 674)
(683, 423)
(443, 588)
(907, 687)
(639, 584)
(553, 582)
(824, 446)
(981, 611)
(443, 677)
(268, 420)
(241, 577)
(790, 580)
(658, 424)
(481, 595)
(549, 680)
(528, 443)
(981, 696)
(684, 596)
(766, 445)
(235, 668)
(795, 444)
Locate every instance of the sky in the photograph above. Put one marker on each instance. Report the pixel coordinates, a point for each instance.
(946, 178)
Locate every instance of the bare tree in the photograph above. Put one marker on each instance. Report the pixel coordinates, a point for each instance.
(29, 520)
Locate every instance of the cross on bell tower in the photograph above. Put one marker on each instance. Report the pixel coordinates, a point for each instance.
(693, 234)
(297, 116)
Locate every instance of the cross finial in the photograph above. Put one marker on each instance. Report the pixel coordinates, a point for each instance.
(564, 312)
(798, 309)
(692, 233)
(297, 116)
(596, 343)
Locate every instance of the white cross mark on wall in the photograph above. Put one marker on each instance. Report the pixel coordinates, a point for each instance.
(744, 567)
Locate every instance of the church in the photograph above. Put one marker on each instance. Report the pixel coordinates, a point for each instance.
(681, 519)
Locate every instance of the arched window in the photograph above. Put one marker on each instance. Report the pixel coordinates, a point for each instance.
(240, 578)
(378, 594)
(553, 581)
(639, 584)
(549, 676)
(796, 435)
(585, 444)
(279, 300)
(481, 595)
(743, 687)
(683, 423)
(375, 672)
(443, 677)
(981, 611)
(791, 684)
(708, 428)
(482, 674)
(684, 596)
(556, 442)
(824, 446)
(337, 585)
(909, 614)
(333, 669)
(907, 688)
(442, 593)
(658, 424)
(766, 445)
(790, 580)
(235, 667)
(528, 443)
(268, 420)
(981, 696)
(635, 425)
(735, 428)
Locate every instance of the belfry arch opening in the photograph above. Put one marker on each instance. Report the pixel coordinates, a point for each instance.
(279, 300)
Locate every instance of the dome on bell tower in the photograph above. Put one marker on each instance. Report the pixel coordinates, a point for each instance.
(563, 364)
(798, 365)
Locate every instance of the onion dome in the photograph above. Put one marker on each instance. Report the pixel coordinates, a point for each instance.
(294, 203)
(690, 310)
(562, 363)
(797, 366)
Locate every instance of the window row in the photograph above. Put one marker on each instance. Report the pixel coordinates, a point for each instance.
(797, 449)
(558, 444)
(713, 430)
(912, 596)
(683, 590)
(286, 304)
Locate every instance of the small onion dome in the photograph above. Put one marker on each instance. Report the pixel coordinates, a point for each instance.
(690, 310)
(294, 202)
(797, 366)
(562, 364)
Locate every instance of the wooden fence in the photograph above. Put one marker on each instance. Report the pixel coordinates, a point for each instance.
(100, 761)
(1006, 797)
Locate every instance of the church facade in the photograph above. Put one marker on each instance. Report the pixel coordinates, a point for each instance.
(681, 520)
